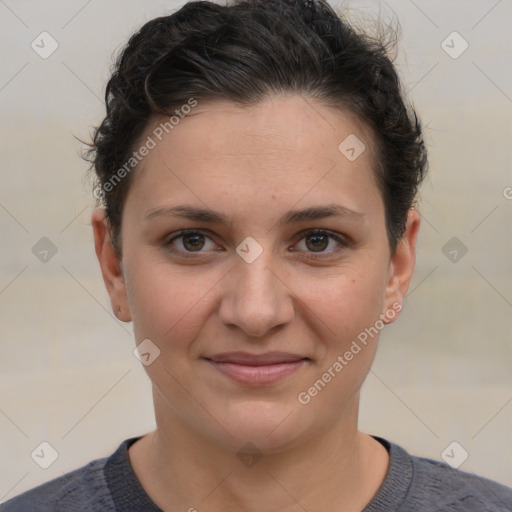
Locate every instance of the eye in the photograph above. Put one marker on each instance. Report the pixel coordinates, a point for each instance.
(316, 241)
(191, 241)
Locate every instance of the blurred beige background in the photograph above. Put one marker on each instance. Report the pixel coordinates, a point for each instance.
(68, 376)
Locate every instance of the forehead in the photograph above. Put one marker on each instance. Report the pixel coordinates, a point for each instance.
(289, 146)
(283, 122)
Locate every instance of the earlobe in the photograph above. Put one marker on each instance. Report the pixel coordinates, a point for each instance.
(401, 267)
(110, 265)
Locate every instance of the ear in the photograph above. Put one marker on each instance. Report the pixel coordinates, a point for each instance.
(110, 264)
(401, 268)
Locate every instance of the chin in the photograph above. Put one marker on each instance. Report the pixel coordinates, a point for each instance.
(270, 427)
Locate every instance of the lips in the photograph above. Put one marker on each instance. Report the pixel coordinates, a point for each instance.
(257, 369)
(247, 359)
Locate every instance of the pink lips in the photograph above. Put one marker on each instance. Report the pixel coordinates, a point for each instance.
(257, 369)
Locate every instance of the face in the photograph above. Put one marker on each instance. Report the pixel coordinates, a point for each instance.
(256, 302)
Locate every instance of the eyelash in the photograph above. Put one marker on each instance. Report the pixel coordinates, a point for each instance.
(343, 242)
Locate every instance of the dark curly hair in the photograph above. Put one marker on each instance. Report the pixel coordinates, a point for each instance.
(243, 53)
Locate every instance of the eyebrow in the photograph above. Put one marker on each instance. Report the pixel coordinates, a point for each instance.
(293, 216)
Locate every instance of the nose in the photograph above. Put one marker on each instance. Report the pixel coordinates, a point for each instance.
(256, 298)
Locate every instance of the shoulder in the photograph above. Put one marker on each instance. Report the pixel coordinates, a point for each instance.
(79, 490)
(437, 486)
(460, 490)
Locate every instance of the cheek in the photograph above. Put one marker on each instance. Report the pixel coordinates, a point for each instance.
(172, 304)
(343, 303)
(168, 306)
(347, 310)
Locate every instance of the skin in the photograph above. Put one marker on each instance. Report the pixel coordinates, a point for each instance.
(254, 164)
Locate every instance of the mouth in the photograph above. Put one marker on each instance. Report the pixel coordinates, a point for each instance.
(257, 369)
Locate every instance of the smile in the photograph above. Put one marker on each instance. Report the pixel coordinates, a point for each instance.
(257, 370)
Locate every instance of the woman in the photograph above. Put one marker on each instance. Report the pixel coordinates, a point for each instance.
(258, 169)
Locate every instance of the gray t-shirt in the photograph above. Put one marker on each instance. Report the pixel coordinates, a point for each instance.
(411, 484)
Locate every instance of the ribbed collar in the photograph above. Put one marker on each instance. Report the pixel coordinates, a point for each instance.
(129, 495)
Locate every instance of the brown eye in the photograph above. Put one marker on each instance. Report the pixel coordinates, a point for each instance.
(193, 242)
(190, 241)
(317, 241)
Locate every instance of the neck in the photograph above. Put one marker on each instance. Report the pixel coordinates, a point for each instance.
(181, 469)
